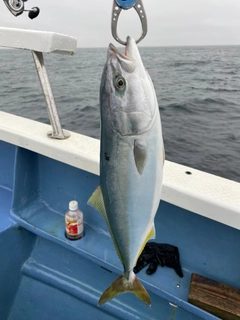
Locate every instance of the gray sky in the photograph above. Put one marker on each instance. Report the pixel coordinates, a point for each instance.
(171, 22)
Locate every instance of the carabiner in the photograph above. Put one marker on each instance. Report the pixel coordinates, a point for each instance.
(118, 5)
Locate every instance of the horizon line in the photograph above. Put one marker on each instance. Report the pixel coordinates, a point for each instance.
(169, 46)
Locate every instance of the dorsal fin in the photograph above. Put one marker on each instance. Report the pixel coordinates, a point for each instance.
(96, 200)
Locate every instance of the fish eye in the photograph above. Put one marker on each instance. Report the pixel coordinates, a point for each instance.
(120, 83)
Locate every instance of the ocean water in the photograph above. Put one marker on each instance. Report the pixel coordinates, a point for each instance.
(198, 91)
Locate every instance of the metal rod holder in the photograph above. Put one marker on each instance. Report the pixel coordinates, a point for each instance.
(57, 132)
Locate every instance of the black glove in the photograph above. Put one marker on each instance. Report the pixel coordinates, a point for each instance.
(156, 254)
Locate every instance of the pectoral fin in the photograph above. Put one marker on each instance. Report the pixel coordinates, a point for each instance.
(140, 155)
(96, 200)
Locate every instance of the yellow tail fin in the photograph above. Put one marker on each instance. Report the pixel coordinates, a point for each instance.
(122, 285)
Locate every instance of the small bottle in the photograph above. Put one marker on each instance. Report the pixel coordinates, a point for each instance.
(74, 222)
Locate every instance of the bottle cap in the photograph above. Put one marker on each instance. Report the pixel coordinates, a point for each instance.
(73, 205)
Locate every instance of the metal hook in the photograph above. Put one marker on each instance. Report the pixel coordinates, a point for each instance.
(138, 6)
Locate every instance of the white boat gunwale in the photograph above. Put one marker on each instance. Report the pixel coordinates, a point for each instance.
(205, 194)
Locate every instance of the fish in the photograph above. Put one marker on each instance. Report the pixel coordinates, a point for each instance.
(131, 162)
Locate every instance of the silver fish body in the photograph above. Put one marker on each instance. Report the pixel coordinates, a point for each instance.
(131, 162)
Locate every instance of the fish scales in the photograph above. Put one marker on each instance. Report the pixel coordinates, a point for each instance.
(131, 162)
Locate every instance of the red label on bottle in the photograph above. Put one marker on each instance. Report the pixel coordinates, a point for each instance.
(74, 228)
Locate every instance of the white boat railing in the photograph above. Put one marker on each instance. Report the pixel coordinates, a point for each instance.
(39, 42)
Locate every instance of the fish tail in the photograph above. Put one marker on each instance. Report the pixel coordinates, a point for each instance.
(123, 284)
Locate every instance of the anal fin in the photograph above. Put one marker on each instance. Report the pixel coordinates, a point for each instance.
(151, 235)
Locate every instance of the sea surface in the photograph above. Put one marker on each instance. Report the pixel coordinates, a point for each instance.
(198, 91)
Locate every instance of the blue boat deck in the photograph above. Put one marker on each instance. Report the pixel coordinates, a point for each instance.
(46, 276)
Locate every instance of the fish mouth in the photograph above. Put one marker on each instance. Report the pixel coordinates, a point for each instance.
(117, 53)
(126, 60)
